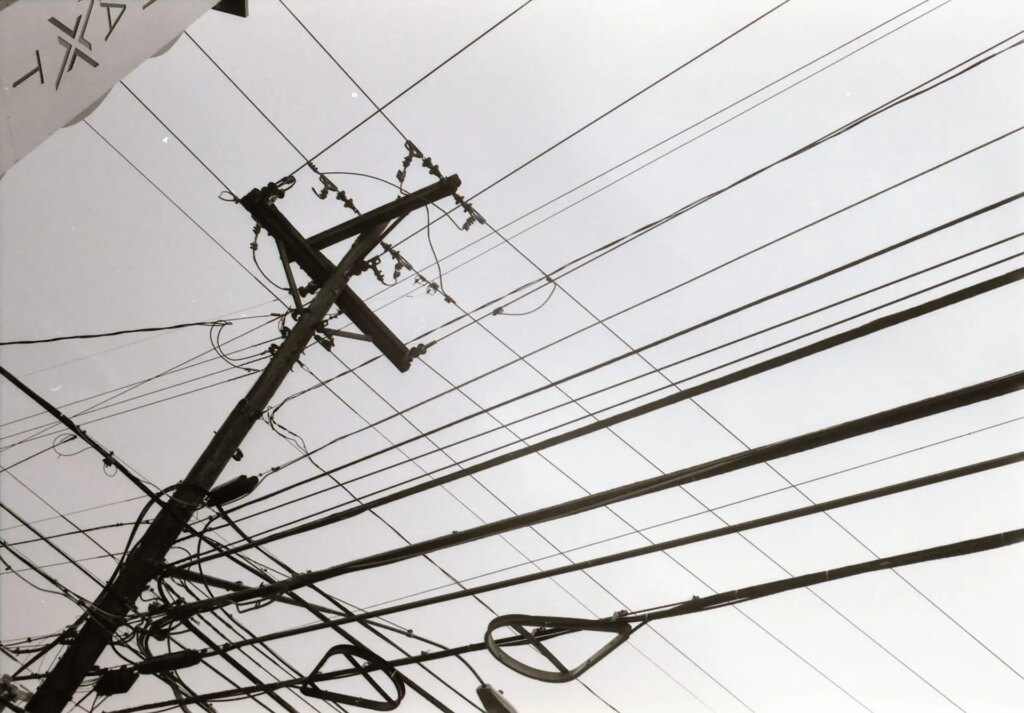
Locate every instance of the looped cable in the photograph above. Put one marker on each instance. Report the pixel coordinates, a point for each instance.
(547, 627)
(353, 653)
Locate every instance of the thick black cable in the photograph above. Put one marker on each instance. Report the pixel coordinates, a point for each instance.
(776, 518)
(515, 548)
(591, 256)
(822, 345)
(682, 518)
(488, 305)
(729, 598)
(612, 408)
(602, 251)
(888, 418)
(657, 342)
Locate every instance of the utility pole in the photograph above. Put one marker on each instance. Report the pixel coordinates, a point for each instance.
(146, 559)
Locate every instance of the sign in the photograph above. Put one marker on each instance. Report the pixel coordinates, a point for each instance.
(60, 58)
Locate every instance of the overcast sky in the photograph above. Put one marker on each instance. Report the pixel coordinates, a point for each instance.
(113, 224)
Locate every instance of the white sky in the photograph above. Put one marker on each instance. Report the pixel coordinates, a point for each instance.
(89, 245)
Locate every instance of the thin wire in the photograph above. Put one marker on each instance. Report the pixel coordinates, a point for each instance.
(177, 205)
(684, 130)
(176, 138)
(956, 549)
(626, 101)
(718, 267)
(413, 85)
(639, 351)
(724, 506)
(472, 464)
(50, 340)
(834, 132)
(512, 545)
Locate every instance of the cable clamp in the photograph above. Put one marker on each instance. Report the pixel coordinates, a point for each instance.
(420, 349)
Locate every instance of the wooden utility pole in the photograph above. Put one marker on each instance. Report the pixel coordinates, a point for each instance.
(146, 559)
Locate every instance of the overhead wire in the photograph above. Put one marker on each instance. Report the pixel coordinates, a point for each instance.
(688, 128)
(860, 541)
(118, 397)
(631, 351)
(904, 97)
(414, 84)
(672, 543)
(718, 508)
(428, 217)
(662, 293)
(887, 418)
(328, 173)
(173, 202)
(461, 502)
(185, 365)
(139, 330)
(488, 306)
(562, 435)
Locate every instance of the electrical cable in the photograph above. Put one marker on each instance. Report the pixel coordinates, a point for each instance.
(702, 536)
(716, 268)
(688, 128)
(658, 342)
(499, 458)
(173, 202)
(624, 102)
(502, 456)
(888, 418)
(413, 85)
(139, 407)
(512, 545)
(431, 246)
(695, 605)
(49, 340)
(682, 518)
(185, 365)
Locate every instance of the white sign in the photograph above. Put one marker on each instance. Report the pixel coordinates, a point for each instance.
(60, 58)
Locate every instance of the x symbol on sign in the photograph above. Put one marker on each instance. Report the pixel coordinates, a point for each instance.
(72, 52)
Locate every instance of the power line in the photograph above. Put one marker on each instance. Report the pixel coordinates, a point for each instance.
(561, 427)
(718, 508)
(684, 130)
(487, 306)
(822, 345)
(888, 418)
(49, 340)
(706, 535)
(174, 202)
(626, 101)
(704, 323)
(412, 86)
(512, 545)
(117, 399)
(271, 122)
(294, 147)
(798, 489)
(181, 366)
